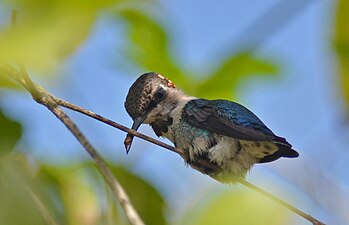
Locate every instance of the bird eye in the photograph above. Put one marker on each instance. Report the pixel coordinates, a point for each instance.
(160, 95)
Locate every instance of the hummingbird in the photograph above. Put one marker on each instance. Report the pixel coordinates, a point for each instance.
(220, 138)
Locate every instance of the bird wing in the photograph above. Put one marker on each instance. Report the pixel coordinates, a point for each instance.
(229, 119)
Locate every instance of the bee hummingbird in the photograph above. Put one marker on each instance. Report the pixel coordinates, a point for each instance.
(220, 138)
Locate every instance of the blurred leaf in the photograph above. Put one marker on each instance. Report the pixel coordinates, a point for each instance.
(6, 82)
(112, 214)
(21, 199)
(74, 191)
(149, 49)
(47, 31)
(149, 46)
(10, 132)
(223, 82)
(77, 189)
(342, 46)
(237, 207)
(146, 199)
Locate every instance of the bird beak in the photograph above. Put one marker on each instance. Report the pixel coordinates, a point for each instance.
(129, 137)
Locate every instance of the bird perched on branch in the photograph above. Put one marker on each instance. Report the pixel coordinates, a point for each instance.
(220, 138)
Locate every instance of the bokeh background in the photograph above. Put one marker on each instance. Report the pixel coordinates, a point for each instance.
(287, 61)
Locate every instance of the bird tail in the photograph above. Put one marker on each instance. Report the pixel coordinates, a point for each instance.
(283, 151)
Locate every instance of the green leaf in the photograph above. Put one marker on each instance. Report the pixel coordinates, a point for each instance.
(74, 191)
(10, 132)
(341, 42)
(146, 199)
(22, 199)
(237, 207)
(47, 31)
(6, 82)
(149, 49)
(77, 190)
(222, 82)
(149, 46)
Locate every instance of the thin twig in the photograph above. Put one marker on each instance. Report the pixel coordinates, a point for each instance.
(93, 115)
(281, 202)
(173, 149)
(109, 122)
(42, 96)
(116, 187)
(42, 208)
(51, 102)
(180, 152)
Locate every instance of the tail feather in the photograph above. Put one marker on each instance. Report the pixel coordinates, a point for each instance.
(284, 151)
(281, 141)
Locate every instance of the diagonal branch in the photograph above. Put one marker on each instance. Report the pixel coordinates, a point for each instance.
(44, 98)
(268, 195)
(63, 117)
(116, 187)
(281, 202)
(41, 206)
(109, 122)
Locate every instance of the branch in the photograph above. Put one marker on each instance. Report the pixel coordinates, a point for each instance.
(116, 187)
(281, 202)
(180, 152)
(42, 96)
(62, 116)
(109, 122)
(41, 206)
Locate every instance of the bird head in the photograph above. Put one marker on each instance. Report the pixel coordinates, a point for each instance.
(150, 98)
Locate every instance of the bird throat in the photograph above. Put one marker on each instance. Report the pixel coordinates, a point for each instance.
(161, 126)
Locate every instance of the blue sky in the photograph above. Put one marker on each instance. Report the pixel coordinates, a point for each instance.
(303, 105)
